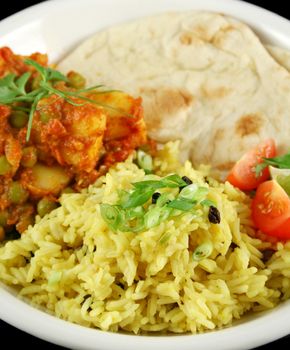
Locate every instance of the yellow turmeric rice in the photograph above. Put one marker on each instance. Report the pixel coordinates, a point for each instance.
(75, 266)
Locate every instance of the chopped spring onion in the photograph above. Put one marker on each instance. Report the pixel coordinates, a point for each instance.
(165, 198)
(144, 161)
(54, 278)
(134, 213)
(152, 217)
(171, 181)
(208, 203)
(189, 192)
(123, 197)
(111, 215)
(181, 204)
(156, 215)
(193, 193)
(164, 238)
(203, 251)
(201, 194)
(138, 198)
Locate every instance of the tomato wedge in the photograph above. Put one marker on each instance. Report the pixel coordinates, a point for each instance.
(271, 210)
(243, 173)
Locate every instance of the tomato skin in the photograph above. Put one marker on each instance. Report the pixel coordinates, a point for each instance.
(271, 210)
(243, 173)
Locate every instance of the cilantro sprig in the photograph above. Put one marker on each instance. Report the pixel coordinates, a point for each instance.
(13, 89)
(280, 162)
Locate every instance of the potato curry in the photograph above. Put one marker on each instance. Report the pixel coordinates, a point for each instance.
(56, 136)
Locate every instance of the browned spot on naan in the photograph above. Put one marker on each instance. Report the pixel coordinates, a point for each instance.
(218, 92)
(249, 124)
(185, 39)
(164, 103)
(219, 134)
(202, 31)
(222, 35)
(188, 38)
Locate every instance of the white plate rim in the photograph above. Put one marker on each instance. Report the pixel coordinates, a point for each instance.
(250, 334)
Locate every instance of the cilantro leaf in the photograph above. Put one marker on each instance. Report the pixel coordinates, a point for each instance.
(280, 162)
(13, 89)
(22, 81)
(259, 168)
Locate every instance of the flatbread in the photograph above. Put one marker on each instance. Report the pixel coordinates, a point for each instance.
(282, 56)
(205, 79)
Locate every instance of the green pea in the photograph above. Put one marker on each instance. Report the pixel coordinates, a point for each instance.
(16, 193)
(76, 80)
(29, 157)
(45, 116)
(36, 82)
(18, 119)
(2, 234)
(3, 218)
(45, 206)
(5, 166)
(67, 190)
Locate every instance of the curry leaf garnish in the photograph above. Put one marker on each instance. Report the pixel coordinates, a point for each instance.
(13, 89)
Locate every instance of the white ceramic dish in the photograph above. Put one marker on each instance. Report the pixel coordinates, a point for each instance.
(56, 27)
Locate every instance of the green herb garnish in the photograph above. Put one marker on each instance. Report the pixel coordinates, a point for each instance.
(208, 203)
(137, 198)
(144, 161)
(54, 278)
(13, 89)
(203, 251)
(134, 211)
(281, 162)
(111, 215)
(171, 181)
(181, 204)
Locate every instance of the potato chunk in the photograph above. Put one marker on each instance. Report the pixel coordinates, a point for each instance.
(72, 135)
(42, 180)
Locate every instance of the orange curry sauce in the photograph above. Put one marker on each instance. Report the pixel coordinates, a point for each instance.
(69, 145)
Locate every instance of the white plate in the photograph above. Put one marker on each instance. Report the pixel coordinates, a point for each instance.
(56, 27)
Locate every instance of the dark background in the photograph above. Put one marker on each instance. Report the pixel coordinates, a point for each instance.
(12, 336)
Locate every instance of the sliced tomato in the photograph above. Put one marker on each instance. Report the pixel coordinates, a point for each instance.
(271, 210)
(243, 174)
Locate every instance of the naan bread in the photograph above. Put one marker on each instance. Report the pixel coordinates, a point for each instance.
(282, 56)
(205, 79)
